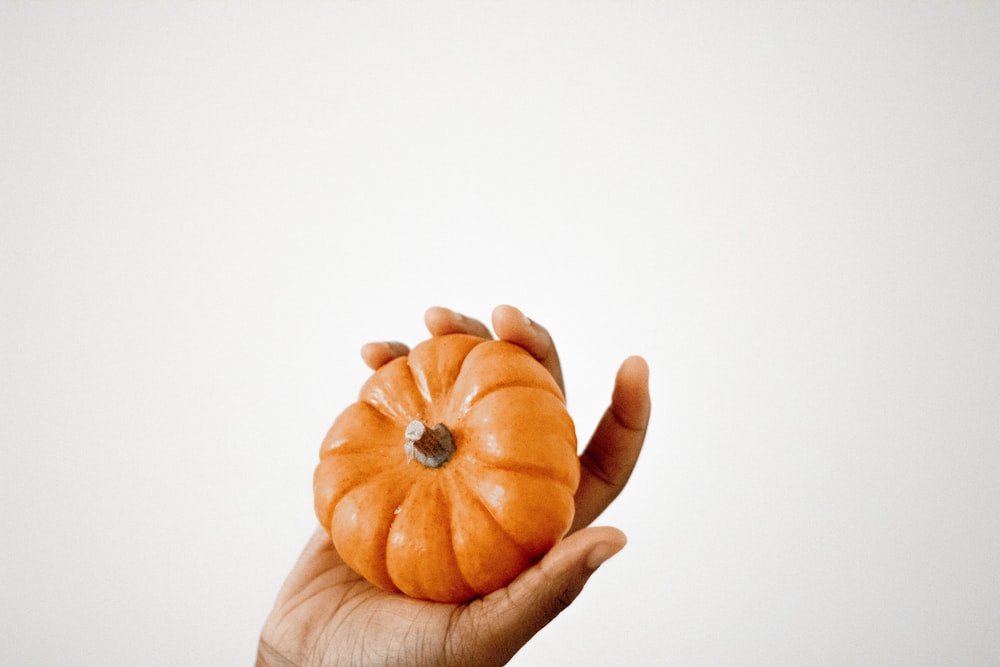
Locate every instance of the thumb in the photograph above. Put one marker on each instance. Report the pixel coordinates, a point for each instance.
(543, 591)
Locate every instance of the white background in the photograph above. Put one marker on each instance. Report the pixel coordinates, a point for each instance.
(792, 210)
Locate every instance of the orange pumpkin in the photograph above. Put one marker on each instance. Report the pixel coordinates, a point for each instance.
(454, 471)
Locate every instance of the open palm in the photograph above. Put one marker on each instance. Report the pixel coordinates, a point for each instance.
(326, 614)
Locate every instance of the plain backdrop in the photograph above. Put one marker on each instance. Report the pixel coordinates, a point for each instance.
(791, 209)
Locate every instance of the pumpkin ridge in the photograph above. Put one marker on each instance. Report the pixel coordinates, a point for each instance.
(421, 379)
(487, 353)
(419, 384)
(467, 403)
(385, 410)
(388, 389)
(330, 507)
(450, 402)
(527, 470)
(513, 383)
(347, 438)
(388, 536)
(450, 500)
(471, 491)
(356, 494)
(522, 445)
(449, 577)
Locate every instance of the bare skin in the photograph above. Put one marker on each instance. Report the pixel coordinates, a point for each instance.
(325, 614)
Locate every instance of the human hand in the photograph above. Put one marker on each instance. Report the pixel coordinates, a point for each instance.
(326, 614)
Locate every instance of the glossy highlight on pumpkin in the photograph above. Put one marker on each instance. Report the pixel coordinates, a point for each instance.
(501, 500)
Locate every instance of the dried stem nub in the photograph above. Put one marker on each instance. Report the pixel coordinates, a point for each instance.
(431, 446)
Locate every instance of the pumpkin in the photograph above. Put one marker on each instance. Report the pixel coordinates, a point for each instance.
(453, 472)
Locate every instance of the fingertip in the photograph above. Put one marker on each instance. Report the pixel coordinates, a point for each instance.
(630, 399)
(511, 324)
(504, 307)
(509, 321)
(441, 321)
(635, 368)
(594, 544)
(370, 352)
(377, 354)
(613, 542)
(637, 363)
(438, 317)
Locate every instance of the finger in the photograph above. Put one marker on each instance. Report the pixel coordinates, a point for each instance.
(376, 355)
(508, 618)
(441, 321)
(609, 458)
(514, 326)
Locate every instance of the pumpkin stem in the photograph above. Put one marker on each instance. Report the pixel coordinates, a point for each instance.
(431, 446)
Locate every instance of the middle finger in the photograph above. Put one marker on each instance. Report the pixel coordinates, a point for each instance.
(441, 321)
